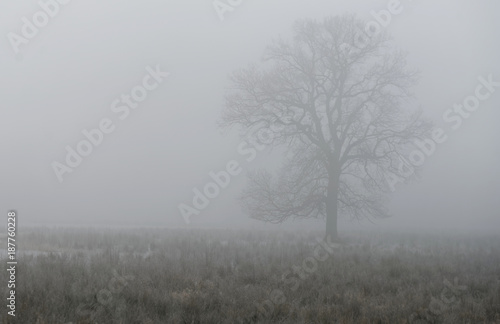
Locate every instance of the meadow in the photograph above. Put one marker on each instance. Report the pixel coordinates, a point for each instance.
(70, 275)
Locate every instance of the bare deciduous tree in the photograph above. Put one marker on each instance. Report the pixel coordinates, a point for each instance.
(342, 114)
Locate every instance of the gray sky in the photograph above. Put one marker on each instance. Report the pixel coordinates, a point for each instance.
(66, 77)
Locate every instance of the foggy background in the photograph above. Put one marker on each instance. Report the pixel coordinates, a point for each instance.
(65, 78)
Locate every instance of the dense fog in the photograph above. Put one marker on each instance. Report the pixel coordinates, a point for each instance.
(64, 77)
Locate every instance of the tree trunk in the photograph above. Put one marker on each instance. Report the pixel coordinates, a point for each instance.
(332, 208)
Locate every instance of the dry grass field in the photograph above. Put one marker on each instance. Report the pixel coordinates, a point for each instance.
(229, 276)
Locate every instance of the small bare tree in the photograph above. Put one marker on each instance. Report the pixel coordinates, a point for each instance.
(341, 113)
